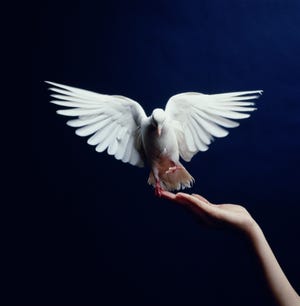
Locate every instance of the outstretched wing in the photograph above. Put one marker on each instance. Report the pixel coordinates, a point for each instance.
(111, 122)
(198, 118)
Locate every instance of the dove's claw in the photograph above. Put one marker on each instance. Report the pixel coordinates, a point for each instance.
(158, 190)
(173, 169)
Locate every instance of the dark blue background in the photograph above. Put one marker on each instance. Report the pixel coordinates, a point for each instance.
(95, 233)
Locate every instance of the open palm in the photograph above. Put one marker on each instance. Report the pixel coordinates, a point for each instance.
(214, 215)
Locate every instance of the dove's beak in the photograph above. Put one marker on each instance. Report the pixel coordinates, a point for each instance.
(158, 131)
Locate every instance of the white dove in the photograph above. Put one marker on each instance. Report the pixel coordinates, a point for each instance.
(188, 125)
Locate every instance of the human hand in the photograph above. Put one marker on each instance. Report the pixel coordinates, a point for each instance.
(214, 215)
(236, 216)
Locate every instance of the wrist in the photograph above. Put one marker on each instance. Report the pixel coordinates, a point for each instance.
(252, 230)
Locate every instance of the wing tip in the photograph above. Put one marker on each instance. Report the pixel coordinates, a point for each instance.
(258, 92)
(80, 133)
(51, 83)
(61, 112)
(70, 123)
(57, 85)
(54, 102)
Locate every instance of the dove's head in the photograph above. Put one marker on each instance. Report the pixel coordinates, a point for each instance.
(158, 118)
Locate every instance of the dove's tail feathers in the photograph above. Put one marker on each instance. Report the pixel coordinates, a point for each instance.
(171, 176)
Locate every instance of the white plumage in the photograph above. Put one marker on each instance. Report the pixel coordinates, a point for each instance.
(188, 125)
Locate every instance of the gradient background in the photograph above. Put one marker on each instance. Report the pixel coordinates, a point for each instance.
(95, 233)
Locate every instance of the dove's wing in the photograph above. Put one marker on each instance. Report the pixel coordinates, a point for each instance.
(198, 118)
(111, 122)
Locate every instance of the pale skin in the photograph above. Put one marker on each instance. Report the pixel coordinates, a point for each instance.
(237, 217)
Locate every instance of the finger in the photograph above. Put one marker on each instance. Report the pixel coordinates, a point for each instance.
(202, 199)
(198, 196)
(202, 215)
(183, 198)
(206, 207)
(190, 198)
(168, 195)
(186, 203)
(173, 197)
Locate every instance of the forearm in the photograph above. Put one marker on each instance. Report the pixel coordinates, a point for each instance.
(279, 285)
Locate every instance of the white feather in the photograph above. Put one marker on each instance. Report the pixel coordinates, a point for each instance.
(82, 100)
(101, 134)
(204, 139)
(189, 139)
(211, 127)
(129, 147)
(106, 141)
(86, 120)
(119, 125)
(78, 111)
(74, 103)
(111, 120)
(202, 133)
(113, 147)
(122, 146)
(92, 128)
(203, 117)
(121, 133)
(217, 119)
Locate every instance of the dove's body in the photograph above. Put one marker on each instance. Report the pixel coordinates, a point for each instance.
(162, 154)
(154, 144)
(188, 125)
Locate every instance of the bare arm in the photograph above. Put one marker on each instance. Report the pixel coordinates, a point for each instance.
(238, 217)
(283, 292)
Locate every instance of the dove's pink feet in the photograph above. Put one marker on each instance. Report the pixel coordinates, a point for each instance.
(158, 189)
(173, 169)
